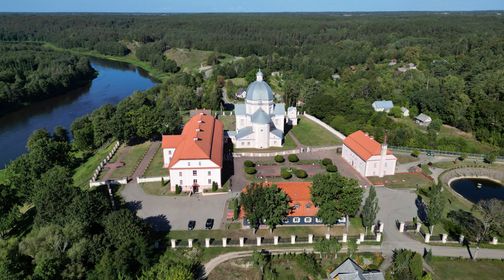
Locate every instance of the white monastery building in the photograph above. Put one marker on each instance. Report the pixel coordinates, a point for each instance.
(260, 122)
(194, 158)
(367, 156)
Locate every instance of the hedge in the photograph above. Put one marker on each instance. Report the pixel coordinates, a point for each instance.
(249, 163)
(331, 168)
(300, 173)
(279, 158)
(250, 170)
(326, 162)
(285, 174)
(293, 158)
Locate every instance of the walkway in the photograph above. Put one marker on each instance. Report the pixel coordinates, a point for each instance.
(142, 166)
(111, 167)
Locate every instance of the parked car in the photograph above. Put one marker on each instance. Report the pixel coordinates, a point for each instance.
(191, 225)
(209, 223)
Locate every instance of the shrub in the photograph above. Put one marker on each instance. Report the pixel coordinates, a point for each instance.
(293, 158)
(332, 168)
(285, 174)
(250, 170)
(162, 182)
(415, 153)
(214, 186)
(178, 189)
(490, 158)
(279, 158)
(249, 163)
(326, 162)
(462, 157)
(300, 173)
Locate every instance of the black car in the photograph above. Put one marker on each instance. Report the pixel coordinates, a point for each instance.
(209, 223)
(191, 225)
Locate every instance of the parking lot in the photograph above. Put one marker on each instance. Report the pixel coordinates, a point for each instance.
(174, 212)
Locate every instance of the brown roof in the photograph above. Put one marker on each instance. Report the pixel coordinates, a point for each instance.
(201, 138)
(363, 145)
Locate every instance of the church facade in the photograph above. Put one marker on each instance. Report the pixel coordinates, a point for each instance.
(260, 123)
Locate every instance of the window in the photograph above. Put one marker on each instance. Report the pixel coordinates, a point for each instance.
(169, 152)
(308, 220)
(209, 181)
(180, 173)
(195, 172)
(308, 205)
(181, 182)
(188, 163)
(296, 220)
(385, 164)
(375, 164)
(248, 143)
(209, 173)
(195, 181)
(285, 220)
(318, 220)
(199, 163)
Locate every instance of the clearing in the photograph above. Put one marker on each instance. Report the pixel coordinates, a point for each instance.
(454, 268)
(311, 134)
(191, 60)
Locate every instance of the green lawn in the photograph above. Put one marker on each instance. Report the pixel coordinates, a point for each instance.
(451, 268)
(403, 158)
(229, 122)
(156, 188)
(131, 158)
(84, 172)
(403, 180)
(190, 59)
(310, 133)
(155, 168)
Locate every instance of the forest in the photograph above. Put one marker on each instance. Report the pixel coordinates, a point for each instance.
(459, 58)
(30, 72)
(52, 230)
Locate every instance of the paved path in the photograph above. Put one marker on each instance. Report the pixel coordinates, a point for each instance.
(294, 138)
(142, 166)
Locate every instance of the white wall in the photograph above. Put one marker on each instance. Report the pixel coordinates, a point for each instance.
(185, 178)
(355, 161)
(167, 155)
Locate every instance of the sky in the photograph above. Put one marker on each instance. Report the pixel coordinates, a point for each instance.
(199, 6)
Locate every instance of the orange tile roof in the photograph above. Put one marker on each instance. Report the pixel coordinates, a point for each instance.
(201, 138)
(363, 145)
(300, 196)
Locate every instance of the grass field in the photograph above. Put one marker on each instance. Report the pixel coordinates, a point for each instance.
(84, 172)
(155, 168)
(403, 158)
(229, 122)
(131, 156)
(448, 268)
(311, 134)
(403, 180)
(155, 188)
(190, 59)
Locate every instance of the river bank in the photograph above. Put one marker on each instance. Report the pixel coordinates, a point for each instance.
(153, 72)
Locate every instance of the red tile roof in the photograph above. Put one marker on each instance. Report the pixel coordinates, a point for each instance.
(201, 138)
(363, 145)
(300, 196)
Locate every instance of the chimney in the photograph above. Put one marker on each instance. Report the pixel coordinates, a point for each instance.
(195, 139)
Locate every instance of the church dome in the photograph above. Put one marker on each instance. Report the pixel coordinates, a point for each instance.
(260, 117)
(259, 90)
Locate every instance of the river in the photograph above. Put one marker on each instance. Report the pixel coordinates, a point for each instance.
(114, 82)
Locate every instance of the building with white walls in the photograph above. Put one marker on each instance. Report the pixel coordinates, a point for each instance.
(260, 123)
(367, 156)
(194, 158)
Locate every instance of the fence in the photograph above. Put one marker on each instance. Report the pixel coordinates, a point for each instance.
(287, 152)
(93, 182)
(152, 179)
(440, 152)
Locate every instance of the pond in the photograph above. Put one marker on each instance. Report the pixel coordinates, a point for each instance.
(476, 189)
(114, 82)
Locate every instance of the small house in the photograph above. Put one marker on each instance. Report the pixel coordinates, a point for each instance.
(423, 119)
(241, 93)
(404, 112)
(383, 106)
(350, 270)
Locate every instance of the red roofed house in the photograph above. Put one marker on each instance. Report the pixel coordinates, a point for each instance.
(367, 156)
(194, 158)
(303, 211)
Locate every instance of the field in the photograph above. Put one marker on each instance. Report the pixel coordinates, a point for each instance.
(155, 168)
(190, 59)
(229, 122)
(311, 134)
(403, 180)
(155, 188)
(84, 172)
(448, 268)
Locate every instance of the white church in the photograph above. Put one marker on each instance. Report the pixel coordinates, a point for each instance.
(260, 123)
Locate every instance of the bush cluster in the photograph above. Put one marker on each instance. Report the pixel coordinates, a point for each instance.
(293, 158)
(279, 158)
(300, 173)
(285, 174)
(178, 189)
(326, 162)
(249, 163)
(250, 170)
(331, 168)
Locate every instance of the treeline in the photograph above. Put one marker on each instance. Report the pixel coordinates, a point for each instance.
(29, 72)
